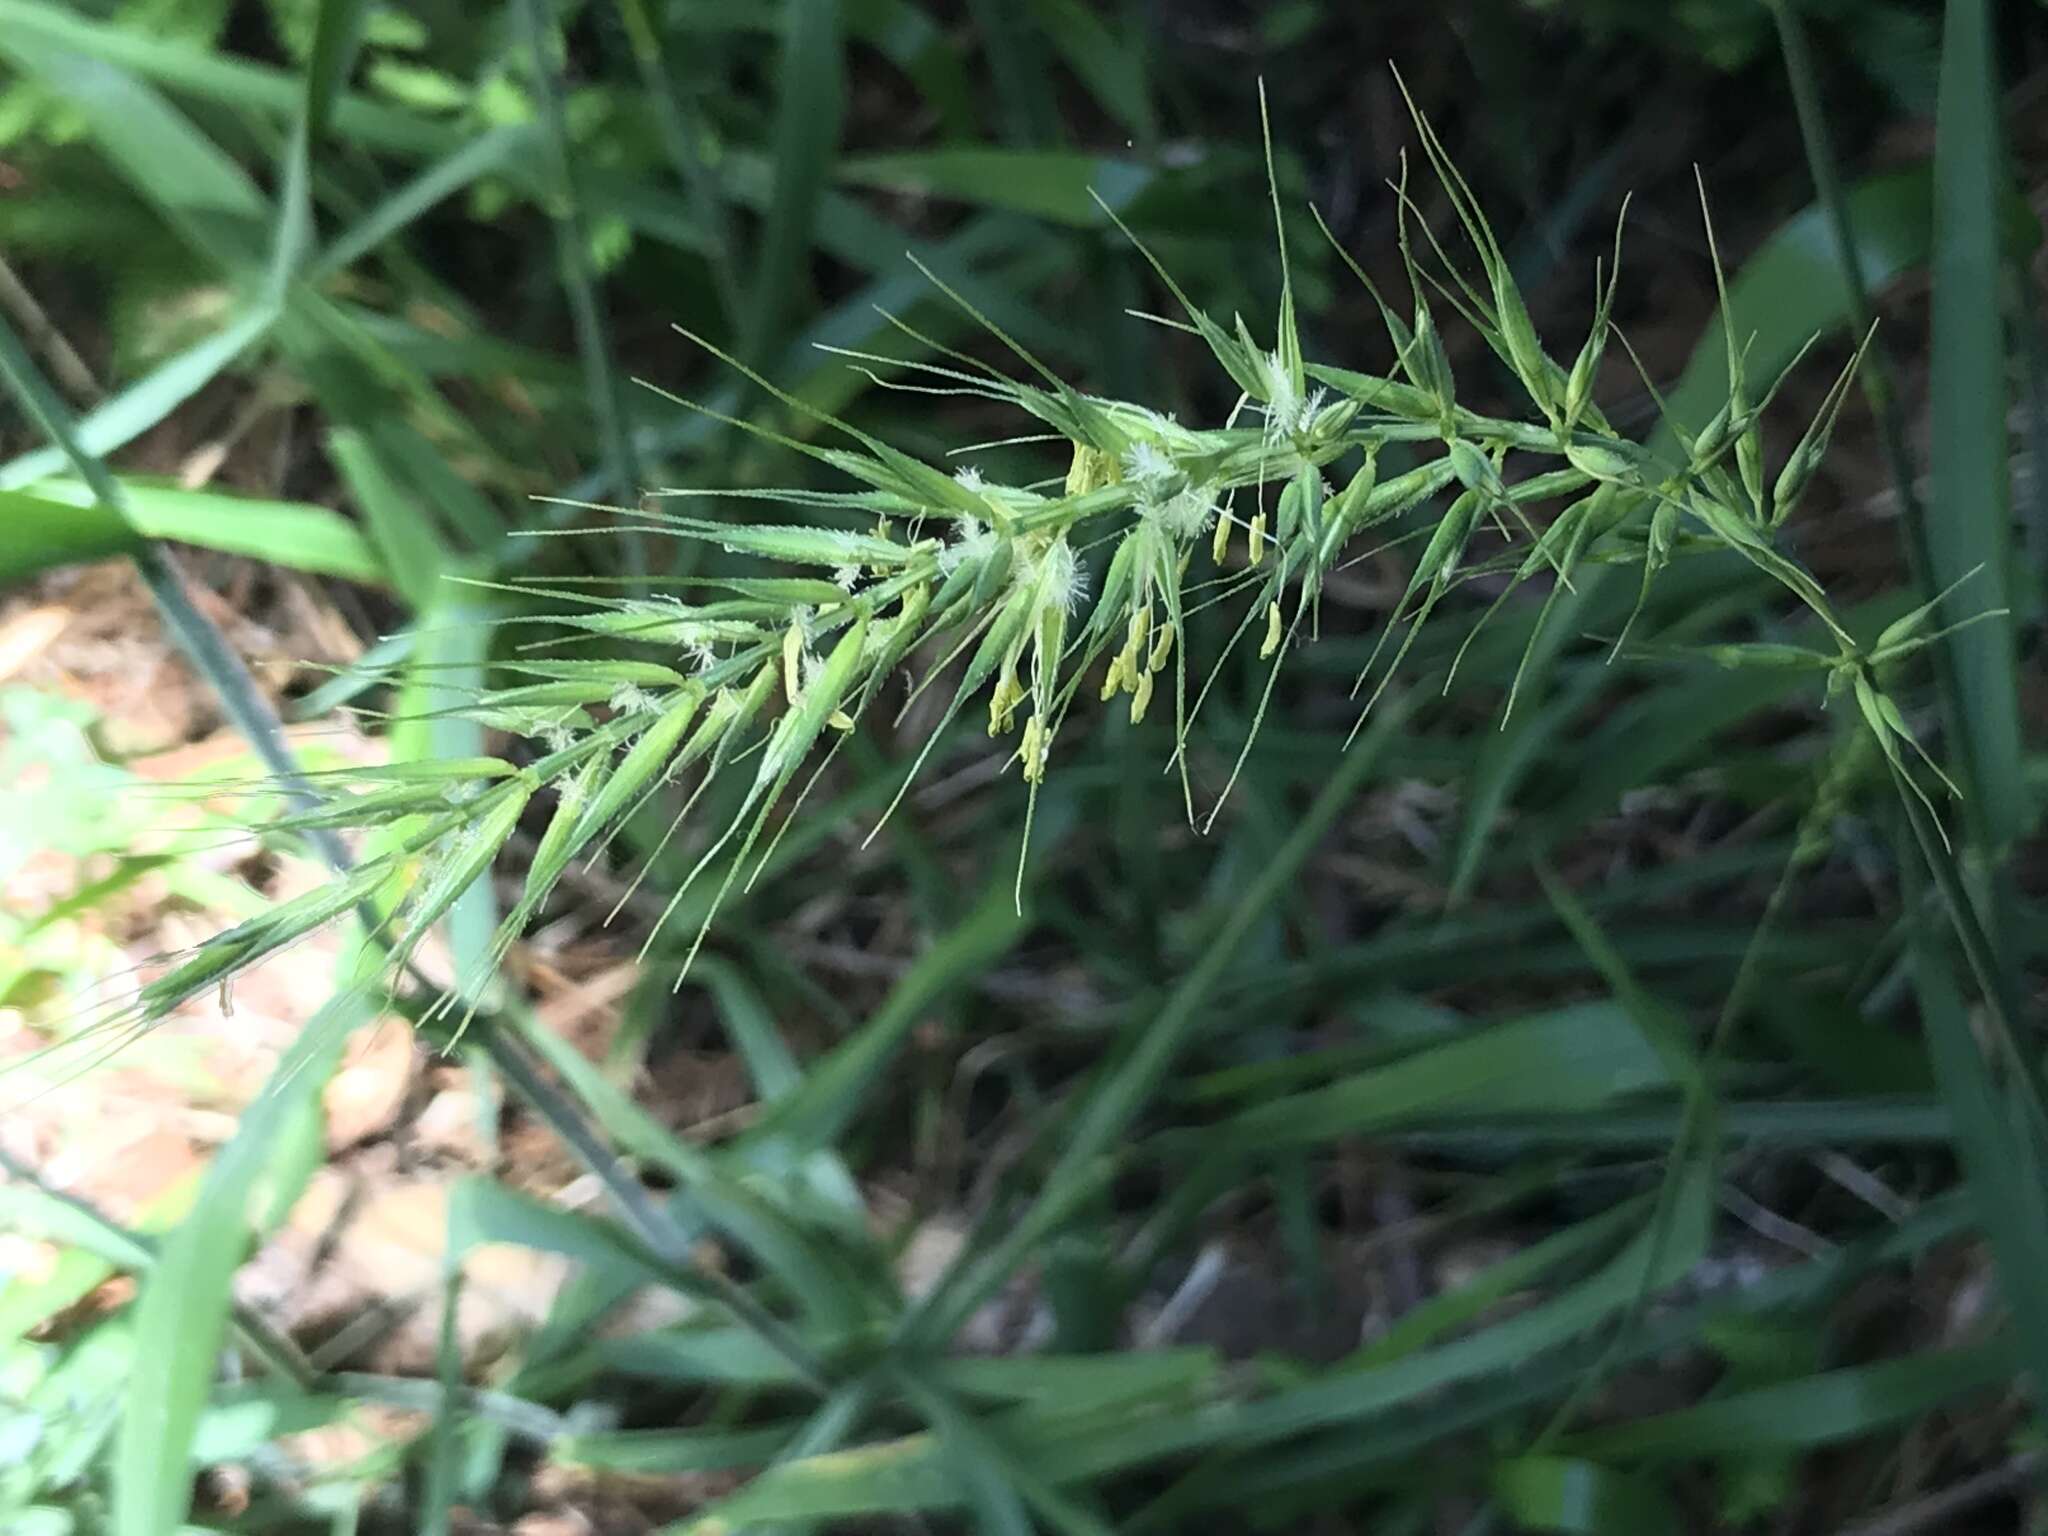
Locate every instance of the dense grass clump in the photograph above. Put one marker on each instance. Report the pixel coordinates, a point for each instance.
(1295, 1021)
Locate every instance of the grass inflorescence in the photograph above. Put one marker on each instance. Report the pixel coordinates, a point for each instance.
(1035, 592)
(950, 1187)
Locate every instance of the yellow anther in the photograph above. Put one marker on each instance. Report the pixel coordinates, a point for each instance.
(1114, 679)
(1006, 696)
(1140, 697)
(1037, 746)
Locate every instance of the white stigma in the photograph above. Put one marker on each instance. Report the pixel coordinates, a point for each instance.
(1066, 579)
(1146, 464)
(1186, 513)
(972, 541)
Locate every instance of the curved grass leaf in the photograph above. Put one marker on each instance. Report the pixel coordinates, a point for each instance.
(1810, 1411)
(61, 522)
(1064, 186)
(1576, 1057)
(811, 93)
(1969, 459)
(139, 406)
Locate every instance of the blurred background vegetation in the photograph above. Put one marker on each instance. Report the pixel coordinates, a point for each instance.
(1371, 1259)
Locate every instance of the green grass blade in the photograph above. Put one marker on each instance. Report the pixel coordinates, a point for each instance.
(59, 522)
(656, 1451)
(751, 1027)
(202, 193)
(1569, 1059)
(736, 1207)
(1110, 64)
(482, 1211)
(1445, 1313)
(1531, 1379)
(1024, 93)
(1969, 457)
(1662, 1028)
(1120, 1093)
(149, 400)
(815, 1113)
(183, 1309)
(494, 153)
(991, 1498)
(446, 671)
(415, 432)
(225, 81)
(104, 1246)
(1813, 1410)
(195, 634)
(811, 99)
(412, 551)
(1050, 184)
(337, 32)
(444, 1436)
(2002, 1158)
(1877, 373)
(924, 47)
(603, 383)
(647, 1221)
(1555, 1493)
(999, 1482)
(240, 1419)
(675, 118)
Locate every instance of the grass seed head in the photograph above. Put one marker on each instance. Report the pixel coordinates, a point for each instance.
(1005, 587)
